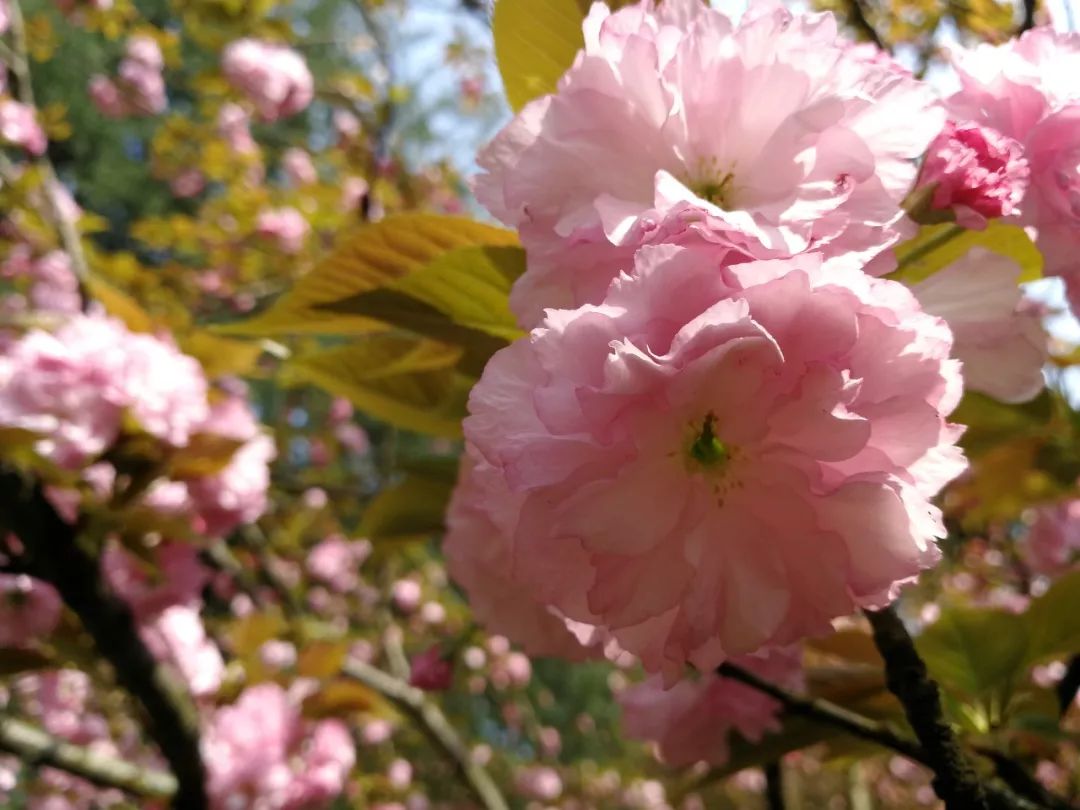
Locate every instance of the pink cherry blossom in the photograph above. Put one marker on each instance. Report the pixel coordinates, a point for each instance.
(273, 76)
(540, 782)
(335, 561)
(1026, 89)
(998, 334)
(658, 133)
(5, 16)
(29, 609)
(298, 167)
(74, 386)
(693, 721)
(138, 88)
(55, 287)
(976, 172)
(236, 494)
(261, 749)
(712, 393)
(177, 577)
(1053, 539)
(286, 226)
(233, 124)
(178, 637)
(405, 595)
(431, 670)
(478, 552)
(19, 127)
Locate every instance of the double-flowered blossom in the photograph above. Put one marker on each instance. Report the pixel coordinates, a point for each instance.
(692, 721)
(780, 426)
(1029, 90)
(138, 87)
(19, 127)
(997, 332)
(976, 172)
(1053, 540)
(480, 524)
(79, 385)
(769, 136)
(274, 77)
(260, 752)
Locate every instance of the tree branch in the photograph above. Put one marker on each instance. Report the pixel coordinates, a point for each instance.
(1029, 16)
(774, 785)
(955, 780)
(37, 747)
(412, 702)
(1069, 685)
(54, 555)
(830, 714)
(858, 18)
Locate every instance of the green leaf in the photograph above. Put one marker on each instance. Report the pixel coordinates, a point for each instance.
(364, 259)
(536, 41)
(1053, 620)
(399, 378)
(459, 298)
(937, 246)
(976, 653)
(411, 511)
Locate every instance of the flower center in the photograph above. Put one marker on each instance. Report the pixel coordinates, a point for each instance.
(717, 190)
(706, 450)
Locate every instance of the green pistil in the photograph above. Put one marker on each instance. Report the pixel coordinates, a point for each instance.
(714, 191)
(707, 450)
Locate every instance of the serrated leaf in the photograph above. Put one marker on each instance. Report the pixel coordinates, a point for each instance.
(1053, 620)
(535, 44)
(364, 259)
(399, 378)
(937, 246)
(411, 511)
(975, 653)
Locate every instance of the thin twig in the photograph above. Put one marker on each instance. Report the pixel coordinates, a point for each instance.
(37, 747)
(55, 555)
(414, 703)
(55, 207)
(955, 780)
(830, 714)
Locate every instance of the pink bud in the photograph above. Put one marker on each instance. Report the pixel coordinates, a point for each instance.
(976, 171)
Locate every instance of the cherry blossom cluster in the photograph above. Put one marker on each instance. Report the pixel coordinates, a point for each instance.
(273, 77)
(138, 87)
(725, 429)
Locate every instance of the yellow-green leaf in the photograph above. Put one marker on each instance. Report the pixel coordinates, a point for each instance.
(536, 41)
(120, 305)
(339, 698)
(402, 379)
(937, 246)
(221, 355)
(321, 659)
(205, 454)
(366, 258)
(410, 511)
(1054, 620)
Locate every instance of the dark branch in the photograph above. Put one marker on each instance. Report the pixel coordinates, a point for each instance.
(774, 786)
(36, 747)
(53, 554)
(955, 780)
(828, 713)
(1069, 685)
(858, 18)
(1029, 16)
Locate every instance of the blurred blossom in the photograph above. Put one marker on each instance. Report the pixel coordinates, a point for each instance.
(233, 125)
(405, 595)
(376, 731)
(431, 670)
(541, 783)
(335, 561)
(550, 741)
(274, 77)
(286, 226)
(278, 654)
(353, 438)
(177, 636)
(298, 167)
(399, 774)
(474, 658)
(19, 127)
(29, 609)
(432, 613)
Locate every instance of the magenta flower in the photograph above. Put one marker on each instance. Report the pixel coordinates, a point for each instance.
(692, 722)
(431, 670)
(660, 133)
(710, 394)
(976, 172)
